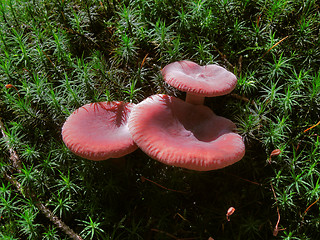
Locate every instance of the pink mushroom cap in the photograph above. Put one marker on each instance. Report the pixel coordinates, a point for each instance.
(181, 134)
(207, 81)
(99, 131)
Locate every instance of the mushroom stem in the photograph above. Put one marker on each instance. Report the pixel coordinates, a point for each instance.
(194, 99)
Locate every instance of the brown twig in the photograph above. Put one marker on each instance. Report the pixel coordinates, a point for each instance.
(274, 46)
(49, 59)
(305, 212)
(168, 189)
(276, 228)
(224, 58)
(12, 86)
(143, 61)
(182, 217)
(312, 127)
(16, 163)
(28, 193)
(244, 179)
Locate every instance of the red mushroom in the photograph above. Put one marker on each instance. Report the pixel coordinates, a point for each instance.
(99, 131)
(199, 81)
(184, 135)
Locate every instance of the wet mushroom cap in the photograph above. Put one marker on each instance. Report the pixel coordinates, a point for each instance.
(184, 135)
(99, 131)
(208, 81)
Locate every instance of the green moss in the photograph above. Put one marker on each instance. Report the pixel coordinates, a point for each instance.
(60, 55)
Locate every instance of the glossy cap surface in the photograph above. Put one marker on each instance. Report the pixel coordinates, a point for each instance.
(99, 131)
(207, 81)
(184, 135)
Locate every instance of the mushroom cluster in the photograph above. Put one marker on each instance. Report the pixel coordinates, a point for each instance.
(175, 132)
